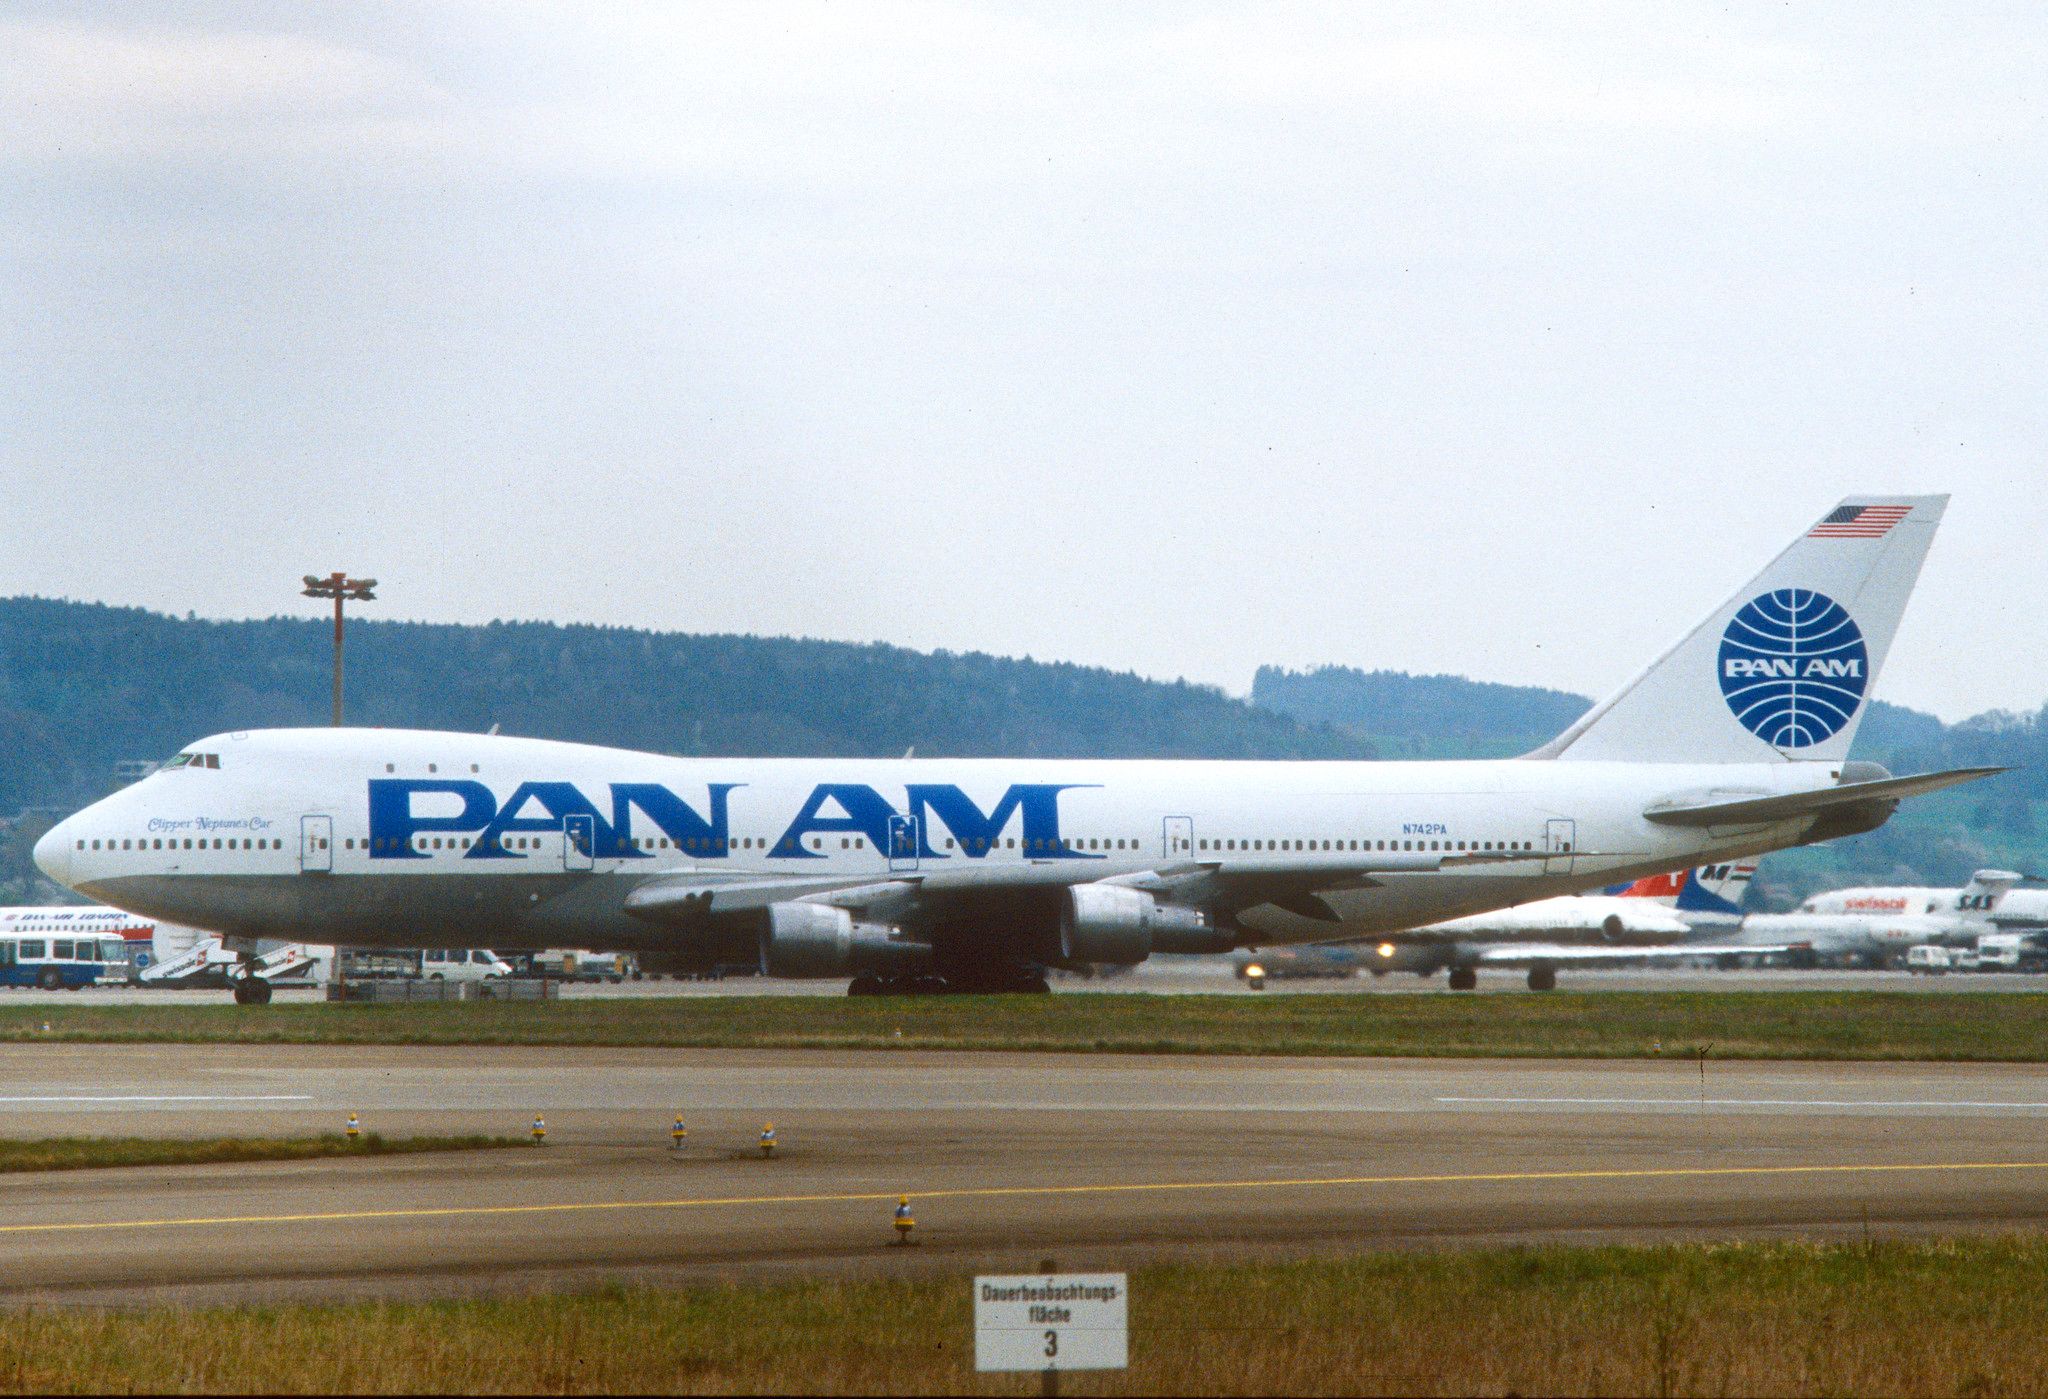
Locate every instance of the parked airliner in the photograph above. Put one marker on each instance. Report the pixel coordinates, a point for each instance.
(2017, 909)
(1633, 922)
(975, 874)
(1882, 936)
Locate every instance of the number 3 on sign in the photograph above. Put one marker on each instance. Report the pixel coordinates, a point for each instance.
(1050, 1322)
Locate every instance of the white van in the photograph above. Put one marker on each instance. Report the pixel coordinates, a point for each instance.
(1999, 952)
(458, 964)
(1927, 958)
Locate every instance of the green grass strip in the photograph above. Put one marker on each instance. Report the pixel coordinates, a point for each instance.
(1926, 1317)
(1967, 1027)
(90, 1153)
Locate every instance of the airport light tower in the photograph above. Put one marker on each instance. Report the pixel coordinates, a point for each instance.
(341, 588)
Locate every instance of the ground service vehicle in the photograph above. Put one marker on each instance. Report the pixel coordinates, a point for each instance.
(63, 963)
(461, 964)
(1928, 959)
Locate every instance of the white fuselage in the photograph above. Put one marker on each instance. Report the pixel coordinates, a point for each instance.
(1855, 934)
(404, 838)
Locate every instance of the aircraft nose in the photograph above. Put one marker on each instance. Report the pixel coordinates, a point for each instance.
(53, 853)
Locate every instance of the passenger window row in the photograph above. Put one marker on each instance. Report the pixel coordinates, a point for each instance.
(188, 843)
(711, 845)
(1469, 846)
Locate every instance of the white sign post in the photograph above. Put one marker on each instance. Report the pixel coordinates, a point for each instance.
(1051, 1322)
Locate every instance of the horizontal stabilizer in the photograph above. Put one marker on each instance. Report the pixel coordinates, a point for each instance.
(1761, 810)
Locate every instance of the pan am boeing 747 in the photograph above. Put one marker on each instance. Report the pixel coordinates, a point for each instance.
(925, 874)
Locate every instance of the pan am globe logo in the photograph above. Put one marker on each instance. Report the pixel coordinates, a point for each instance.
(1793, 667)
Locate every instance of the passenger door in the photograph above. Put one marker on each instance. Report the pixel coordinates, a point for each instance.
(1177, 841)
(579, 840)
(902, 843)
(1560, 837)
(316, 845)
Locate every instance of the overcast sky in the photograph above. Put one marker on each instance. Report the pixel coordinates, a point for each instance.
(1500, 341)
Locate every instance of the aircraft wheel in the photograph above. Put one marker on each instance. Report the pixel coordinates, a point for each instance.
(922, 986)
(866, 984)
(1464, 979)
(259, 991)
(1543, 978)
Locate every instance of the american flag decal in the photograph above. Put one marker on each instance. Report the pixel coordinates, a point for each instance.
(1860, 522)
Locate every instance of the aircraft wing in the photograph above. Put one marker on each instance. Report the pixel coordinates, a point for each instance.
(1577, 917)
(1535, 954)
(1224, 886)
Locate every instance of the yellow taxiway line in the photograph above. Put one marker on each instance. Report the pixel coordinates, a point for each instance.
(1002, 1191)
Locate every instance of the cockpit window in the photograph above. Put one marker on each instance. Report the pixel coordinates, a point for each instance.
(179, 761)
(196, 760)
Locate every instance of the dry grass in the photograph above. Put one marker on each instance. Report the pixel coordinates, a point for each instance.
(1980, 1026)
(91, 1153)
(1939, 1318)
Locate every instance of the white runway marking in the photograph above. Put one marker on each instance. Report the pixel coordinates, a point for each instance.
(1755, 1102)
(164, 1098)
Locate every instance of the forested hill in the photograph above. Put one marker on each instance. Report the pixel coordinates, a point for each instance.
(1939, 839)
(83, 686)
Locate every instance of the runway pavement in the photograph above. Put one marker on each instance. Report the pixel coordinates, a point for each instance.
(1193, 976)
(1010, 1159)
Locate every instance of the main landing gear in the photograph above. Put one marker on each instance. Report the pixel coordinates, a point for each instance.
(1464, 978)
(1543, 978)
(252, 991)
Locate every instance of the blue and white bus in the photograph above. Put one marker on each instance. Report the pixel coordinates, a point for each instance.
(55, 964)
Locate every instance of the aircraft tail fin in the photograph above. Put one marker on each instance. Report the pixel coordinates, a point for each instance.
(1783, 668)
(1716, 891)
(1986, 890)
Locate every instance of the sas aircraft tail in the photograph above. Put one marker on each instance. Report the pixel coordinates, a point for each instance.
(1784, 668)
(1980, 898)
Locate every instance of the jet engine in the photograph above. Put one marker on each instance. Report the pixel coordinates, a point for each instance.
(811, 940)
(1109, 923)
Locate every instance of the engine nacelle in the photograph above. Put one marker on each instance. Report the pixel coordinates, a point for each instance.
(811, 940)
(1122, 927)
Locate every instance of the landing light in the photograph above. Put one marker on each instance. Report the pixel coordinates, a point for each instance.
(1254, 969)
(1386, 949)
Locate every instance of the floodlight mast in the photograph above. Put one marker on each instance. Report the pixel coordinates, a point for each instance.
(342, 588)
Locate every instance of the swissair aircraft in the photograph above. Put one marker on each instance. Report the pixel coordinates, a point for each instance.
(1876, 936)
(974, 874)
(2018, 908)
